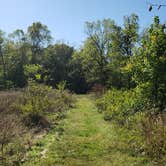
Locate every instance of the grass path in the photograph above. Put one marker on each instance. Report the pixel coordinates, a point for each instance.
(86, 136)
(83, 139)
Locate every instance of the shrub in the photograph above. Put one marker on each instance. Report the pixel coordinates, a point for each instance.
(119, 105)
(37, 101)
(140, 126)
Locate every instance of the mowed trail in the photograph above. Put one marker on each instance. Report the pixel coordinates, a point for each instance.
(86, 137)
(83, 138)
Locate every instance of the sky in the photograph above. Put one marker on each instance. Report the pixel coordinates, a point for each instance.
(66, 18)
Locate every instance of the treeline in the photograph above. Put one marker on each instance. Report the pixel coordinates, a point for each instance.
(112, 56)
(106, 58)
(30, 56)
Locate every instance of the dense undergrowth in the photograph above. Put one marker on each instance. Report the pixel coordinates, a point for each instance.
(140, 127)
(27, 114)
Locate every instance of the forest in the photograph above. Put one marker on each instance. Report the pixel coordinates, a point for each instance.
(101, 104)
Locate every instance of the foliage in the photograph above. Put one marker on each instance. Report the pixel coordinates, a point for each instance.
(57, 63)
(119, 105)
(32, 72)
(40, 37)
(84, 138)
(38, 100)
(61, 86)
(142, 110)
(100, 60)
(139, 128)
(76, 75)
(26, 112)
(149, 65)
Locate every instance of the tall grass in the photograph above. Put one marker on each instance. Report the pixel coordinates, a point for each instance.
(25, 112)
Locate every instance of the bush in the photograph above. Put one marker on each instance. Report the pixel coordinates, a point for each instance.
(28, 111)
(37, 101)
(119, 105)
(140, 127)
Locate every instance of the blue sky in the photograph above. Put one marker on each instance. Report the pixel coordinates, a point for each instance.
(66, 18)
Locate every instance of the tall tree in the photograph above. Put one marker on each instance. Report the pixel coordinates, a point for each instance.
(40, 37)
(57, 63)
(19, 41)
(149, 64)
(130, 39)
(116, 56)
(130, 33)
(98, 45)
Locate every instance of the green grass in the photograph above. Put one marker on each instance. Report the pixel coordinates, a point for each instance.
(83, 138)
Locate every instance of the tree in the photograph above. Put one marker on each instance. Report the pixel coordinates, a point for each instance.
(108, 49)
(57, 63)
(76, 75)
(149, 64)
(20, 43)
(130, 39)
(116, 58)
(130, 33)
(39, 37)
(97, 47)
